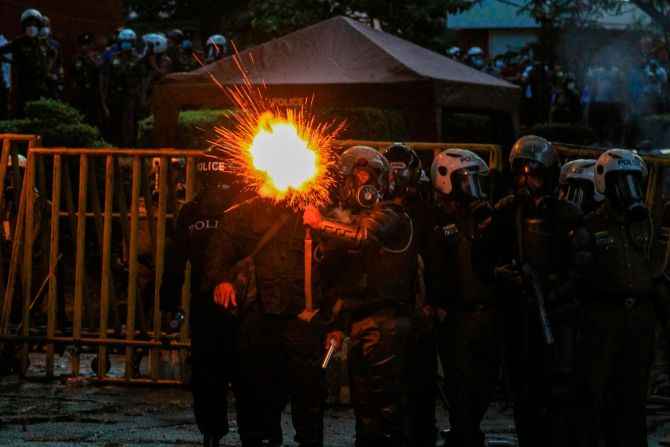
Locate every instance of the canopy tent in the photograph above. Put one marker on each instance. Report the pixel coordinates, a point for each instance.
(342, 63)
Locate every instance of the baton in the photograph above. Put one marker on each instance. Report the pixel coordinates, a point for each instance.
(329, 354)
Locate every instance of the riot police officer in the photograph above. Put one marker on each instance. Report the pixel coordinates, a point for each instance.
(404, 189)
(213, 328)
(619, 287)
(469, 329)
(255, 265)
(374, 251)
(32, 59)
(122, 85)
(216, 48)
(531, 232)
(577, 184)
(84, 80)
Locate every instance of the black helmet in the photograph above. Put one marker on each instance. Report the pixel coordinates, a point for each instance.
(535, 166)
(364, 172)
(31, 15)
(175, 35)
(405, 170)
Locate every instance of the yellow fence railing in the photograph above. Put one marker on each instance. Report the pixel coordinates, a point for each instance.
(91, 225)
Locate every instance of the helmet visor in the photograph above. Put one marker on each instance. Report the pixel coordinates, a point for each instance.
(627, 187)
(467, 185)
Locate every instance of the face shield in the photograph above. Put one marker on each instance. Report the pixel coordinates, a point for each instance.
(579, 192)
(466, 185)
(624, 188)
(468, 190)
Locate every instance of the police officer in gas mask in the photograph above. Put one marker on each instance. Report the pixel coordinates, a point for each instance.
(530, 234)
(371, 245)
(577, 184)
(404, 189)
(469, 328)
(619, 289)
(213, 329)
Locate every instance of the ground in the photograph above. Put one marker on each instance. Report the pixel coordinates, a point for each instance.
(79, 413)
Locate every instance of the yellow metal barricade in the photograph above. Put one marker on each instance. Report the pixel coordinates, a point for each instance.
(94, 278)
(106, 318)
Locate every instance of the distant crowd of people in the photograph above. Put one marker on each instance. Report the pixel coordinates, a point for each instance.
(111, 86)
(603, 96)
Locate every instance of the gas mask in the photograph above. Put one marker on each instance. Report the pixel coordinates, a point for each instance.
(45, 32)
(32, 31)
(478, 62)
(359, 191)
(532, 188)
(126, 46)
(624, 190)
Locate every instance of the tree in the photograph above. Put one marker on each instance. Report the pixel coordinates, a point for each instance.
(254, 21)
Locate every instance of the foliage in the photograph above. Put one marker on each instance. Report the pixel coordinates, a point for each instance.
(195, 128)
(59, 124)
(368, 123)
(569, 133)
(255, 21)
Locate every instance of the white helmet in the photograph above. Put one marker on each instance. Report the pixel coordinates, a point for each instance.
(577, 183)
(617, 160)
(217, 39)
(158, 43)
(453, 161)
(475, 51)
(454, 51)
(127, 34)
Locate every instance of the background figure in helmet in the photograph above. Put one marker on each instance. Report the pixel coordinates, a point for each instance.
(280, 352)
(372, 248)
(32, 59)
(566, 103)
(577, 184)
(216, 47)
(180, 50)
(55, 70)
(84, 80)
(455, 53)
(404, 189)
(469, 329)
(475, 58)
(213, 328)
(530, 234)
(158, 64)
(122, 87)
(619, 287)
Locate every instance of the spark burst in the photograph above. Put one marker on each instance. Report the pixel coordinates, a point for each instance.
(281, 154)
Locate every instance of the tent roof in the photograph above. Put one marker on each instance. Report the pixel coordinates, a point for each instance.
(339, 51)
(341, 63)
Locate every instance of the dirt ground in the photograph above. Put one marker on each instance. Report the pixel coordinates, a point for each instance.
(80, 413)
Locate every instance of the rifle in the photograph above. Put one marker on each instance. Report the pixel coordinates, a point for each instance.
(532, 282)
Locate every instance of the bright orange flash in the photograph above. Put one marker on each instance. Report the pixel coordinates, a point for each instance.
(281, 154)
(285, 157)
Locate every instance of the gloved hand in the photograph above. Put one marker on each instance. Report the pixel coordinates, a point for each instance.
(509, 274)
